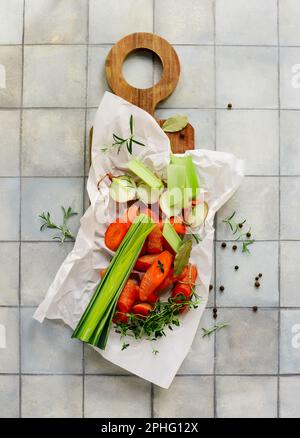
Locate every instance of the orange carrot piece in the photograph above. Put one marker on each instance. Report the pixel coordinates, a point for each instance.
(178, 224)
(142, 309)
(185, 285)
(153, 298)
(102, 272)
(155, 241)
(168, 281)
(145, 261)
(120, 317)
(114, 234)
(127, 297)
(155, 275)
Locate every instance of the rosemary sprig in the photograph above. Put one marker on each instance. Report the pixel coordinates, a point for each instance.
(215, 328)
(237, 231)
(118, 141)
(164, 315)
(65, 232)
(124, 346)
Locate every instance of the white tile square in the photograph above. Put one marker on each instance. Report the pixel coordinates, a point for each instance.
(111, 21)
(289, 208)
(11, 22)
(239, 284)
(9, 275)
(290, 142)
(289, 22)
(10, 143)
(246, 397)
(188, 22)
(100, 400)
(10, 76)
(290, 274)
(51, 396)
(251, 135)
(49, 194)
(36, 275)
(9, 396)
(9, 203)
(247, 77)
(195, 88)
(96, 364)
(246, 22)
(54, 76)
(290, 77)
(187, 397)
(249, 345)
(56, 22)
(256, 201)
(289, 397)
(53, 142)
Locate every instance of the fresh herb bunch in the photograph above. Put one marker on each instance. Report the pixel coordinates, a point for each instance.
(65, 232)
(237, 230)
(215, 328)
(164, 315)
(118, 141)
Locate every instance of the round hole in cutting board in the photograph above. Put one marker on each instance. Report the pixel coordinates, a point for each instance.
(142, 68)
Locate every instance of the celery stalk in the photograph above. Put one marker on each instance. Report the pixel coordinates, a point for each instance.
(171, 236)
(94, 324)
(190, 171)
(145, 174)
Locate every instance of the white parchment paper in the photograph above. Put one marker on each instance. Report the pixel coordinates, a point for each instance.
(219, 173)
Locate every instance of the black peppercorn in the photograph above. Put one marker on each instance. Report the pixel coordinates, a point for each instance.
(210, 287)
(256, 278)
(215, 313)
(222, 288)
(260, 275)
(229, 106)
(254, 308)
(236, 267)
(248, 234)
(241, 225)
(234, 247)
(223, 245)
(257, 284)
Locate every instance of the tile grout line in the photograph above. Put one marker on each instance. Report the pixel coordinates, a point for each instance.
(20, 216)
(84, 176)
(279, 209)
(215, 219)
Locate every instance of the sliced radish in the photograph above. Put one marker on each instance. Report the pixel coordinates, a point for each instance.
(123, 189)
(197, 215)
(168, 207)
(147, 194)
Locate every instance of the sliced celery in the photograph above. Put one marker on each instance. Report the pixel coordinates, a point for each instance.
(145, 174)
(171, 236)
(190, 171)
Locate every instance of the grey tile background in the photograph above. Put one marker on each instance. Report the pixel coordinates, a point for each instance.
(239, 52)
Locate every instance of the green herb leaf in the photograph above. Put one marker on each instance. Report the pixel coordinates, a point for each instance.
(237, 231)
(161, 266)
(65, 232)
(154, 351)
(124, 346)
(128, 142)
(215, 328)
(182, 257)
(175, 123)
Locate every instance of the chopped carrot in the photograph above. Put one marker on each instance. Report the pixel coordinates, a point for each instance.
(178, 224)
(155, 275)
(185, 285)
(168, 247)
(153, 298)
(168, 281)
(120, 317)
(151, 213)
(114, 234)
(142, 309)
(127, 297)
(145, 261)
(130, 214)
(155, 241)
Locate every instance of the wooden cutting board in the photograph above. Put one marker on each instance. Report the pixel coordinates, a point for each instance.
(148, 98)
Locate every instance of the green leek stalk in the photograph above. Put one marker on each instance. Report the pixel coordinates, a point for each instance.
(146, 175)
(95, 322)
(190, 172)
(171, 236)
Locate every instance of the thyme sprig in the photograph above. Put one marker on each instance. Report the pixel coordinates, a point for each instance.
(118, 141)
(65, 232)
(164, 315)
(215, 328)
(237, 231)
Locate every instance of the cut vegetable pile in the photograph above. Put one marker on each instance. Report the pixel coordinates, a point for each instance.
(150, 281)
